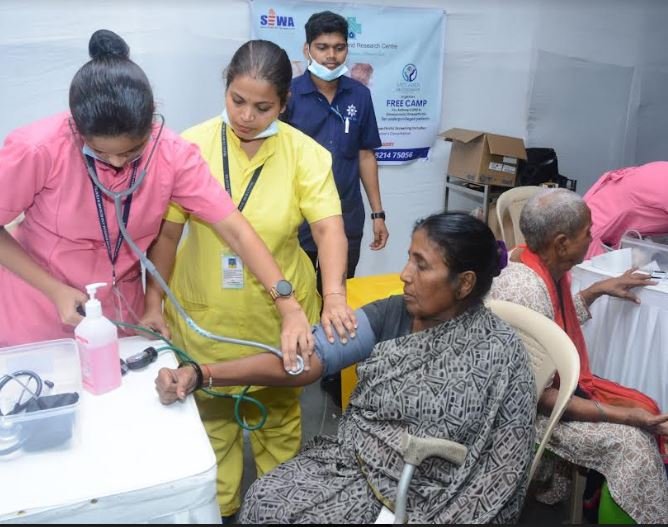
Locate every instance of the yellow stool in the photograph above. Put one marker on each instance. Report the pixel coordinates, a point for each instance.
(361, 291)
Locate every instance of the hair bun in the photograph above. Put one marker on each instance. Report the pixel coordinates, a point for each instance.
(105, 43)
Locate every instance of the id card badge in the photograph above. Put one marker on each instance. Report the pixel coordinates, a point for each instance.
(232, 271)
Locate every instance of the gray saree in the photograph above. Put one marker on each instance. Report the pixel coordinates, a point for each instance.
(468, 380)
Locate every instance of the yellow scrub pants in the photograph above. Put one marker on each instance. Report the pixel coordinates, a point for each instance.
(277, 441)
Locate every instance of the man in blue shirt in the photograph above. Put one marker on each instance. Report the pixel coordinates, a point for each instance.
(337, 112)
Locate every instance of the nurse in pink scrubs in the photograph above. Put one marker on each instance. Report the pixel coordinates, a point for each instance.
(631, 198)
(70, 235)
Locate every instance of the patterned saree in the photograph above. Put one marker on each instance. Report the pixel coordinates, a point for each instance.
(467, 380)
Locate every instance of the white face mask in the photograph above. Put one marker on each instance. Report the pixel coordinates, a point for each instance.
(270, 130)
(323, 72)
(88, 151)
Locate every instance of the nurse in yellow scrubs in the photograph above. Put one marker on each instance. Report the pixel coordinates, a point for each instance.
(278, 177)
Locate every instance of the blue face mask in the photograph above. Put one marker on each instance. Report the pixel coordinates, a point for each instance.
(270, 130)
(324, 73)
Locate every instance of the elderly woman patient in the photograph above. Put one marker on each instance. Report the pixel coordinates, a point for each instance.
(435, 363)
(606, 427)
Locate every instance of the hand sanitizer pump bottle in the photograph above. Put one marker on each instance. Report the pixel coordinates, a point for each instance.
(97, 339)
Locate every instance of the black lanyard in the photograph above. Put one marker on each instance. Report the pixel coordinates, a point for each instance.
(102, 216)
(226, 174)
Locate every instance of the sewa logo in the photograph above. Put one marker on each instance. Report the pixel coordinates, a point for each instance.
(272, 20)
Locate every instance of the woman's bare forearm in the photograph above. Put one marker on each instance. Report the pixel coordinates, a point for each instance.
(580, 409)
(264, 369)
(332, 244)
(162, 253)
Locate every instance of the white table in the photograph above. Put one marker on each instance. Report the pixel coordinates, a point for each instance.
(131, 460)
(628, 343)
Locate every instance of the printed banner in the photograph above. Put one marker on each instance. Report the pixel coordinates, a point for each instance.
(396, 52)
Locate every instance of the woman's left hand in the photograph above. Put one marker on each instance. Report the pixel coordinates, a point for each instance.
(296, 338)
(641, 418)
(155, 321)
(380, 235)
(621, 286)
(175, 384)
(336, 315)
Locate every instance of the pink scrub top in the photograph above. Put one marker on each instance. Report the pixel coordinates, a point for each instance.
(43, 173)
(632, 198)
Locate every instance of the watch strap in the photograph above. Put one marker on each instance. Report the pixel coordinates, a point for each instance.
(276, 294)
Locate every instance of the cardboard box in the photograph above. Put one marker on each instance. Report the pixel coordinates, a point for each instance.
(484, 158)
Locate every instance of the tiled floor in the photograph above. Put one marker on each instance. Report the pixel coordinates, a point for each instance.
(320, 416)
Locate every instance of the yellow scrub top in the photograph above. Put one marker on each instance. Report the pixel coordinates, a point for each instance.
(296, 183)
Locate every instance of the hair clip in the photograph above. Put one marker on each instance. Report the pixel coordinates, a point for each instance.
(503, 254)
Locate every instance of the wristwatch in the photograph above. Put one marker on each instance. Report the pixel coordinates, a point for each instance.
(378, 215)
(282, 289)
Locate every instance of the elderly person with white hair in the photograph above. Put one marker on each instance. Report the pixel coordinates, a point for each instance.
(606, 427)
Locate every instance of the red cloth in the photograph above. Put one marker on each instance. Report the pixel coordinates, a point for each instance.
(602, 390)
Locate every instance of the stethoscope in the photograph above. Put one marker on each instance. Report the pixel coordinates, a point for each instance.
(118, 197)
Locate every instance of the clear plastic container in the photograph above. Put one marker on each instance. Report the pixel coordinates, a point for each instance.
(616, 262)
(38, 417)
(647, 255)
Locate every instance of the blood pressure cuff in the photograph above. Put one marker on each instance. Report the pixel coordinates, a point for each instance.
(48, 402)
(337, 355)
(55, 427)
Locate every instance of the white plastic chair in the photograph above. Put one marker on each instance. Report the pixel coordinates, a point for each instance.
(550, 350)
(512, 201)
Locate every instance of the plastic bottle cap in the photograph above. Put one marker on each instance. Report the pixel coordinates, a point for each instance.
(93, 305)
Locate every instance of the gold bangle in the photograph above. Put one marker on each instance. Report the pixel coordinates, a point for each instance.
(604, 416)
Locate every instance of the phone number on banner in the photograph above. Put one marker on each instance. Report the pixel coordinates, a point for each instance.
(401, 155)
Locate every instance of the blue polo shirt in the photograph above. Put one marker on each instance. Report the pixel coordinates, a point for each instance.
(351, 110)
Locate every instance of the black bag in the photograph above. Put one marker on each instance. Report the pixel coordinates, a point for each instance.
(542, 167)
